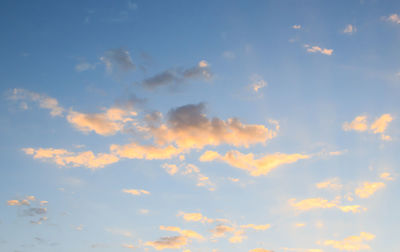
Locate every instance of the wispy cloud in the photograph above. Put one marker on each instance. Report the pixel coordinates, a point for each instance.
(317, 49)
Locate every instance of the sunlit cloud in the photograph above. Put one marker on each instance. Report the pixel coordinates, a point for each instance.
(257, 82)
(352, 243)
(332, 184)
(386, 176)
(195, 217)
(349, 29)
(256, 227)
(64, 158)
(321, 203)
(44, 101)
(136, 192)
(378, 126)
(394, 18)
(367, 189)
(248, 162)
(174, 242)
(317, 49)
(296, 27)
(107, 123)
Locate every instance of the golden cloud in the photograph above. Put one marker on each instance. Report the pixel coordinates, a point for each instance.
(352, 243)
(368, 188)
(255, 167)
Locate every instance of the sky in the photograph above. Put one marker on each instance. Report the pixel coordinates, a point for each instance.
(199, 126)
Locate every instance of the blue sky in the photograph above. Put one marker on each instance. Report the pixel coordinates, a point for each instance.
(190, 126)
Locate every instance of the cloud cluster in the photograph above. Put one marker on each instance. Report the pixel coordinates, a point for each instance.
(31, 207)
(321, 203)
(394, 18)
(378, 126)
(351, 243)
(44, 101)
(174, 242)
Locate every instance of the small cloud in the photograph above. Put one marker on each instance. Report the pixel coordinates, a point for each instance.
(257, 82)
(379, 126)
(386, 176)
(128, 246)
(144, 211)
(84, 66)
(349, 29)
(121, 232)
(296, 27)
(136, 192)
(332, 184)
(132, 5)
(315, 49)
(394, 18)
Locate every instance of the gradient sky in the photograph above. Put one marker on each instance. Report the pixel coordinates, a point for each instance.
(199, 126)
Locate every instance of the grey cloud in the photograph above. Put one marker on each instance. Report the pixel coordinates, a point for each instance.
(118, 58)
(35, 211)
(178, 76)
(191, 115)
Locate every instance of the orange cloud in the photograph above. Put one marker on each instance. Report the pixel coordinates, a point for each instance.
(320, 203)
(136, 192)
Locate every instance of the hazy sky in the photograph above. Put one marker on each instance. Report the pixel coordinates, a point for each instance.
(199, 126)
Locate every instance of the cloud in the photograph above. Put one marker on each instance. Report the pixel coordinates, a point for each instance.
(379, 126)
(63, 157)
(332, 184)
(188, 127)
(220, 230)
(84, 66)
(118, 59)
(256, 227)
(172, 242)
(178, 76)
(320, 203)
(149, 152)
(129, 246)
(351, 243)
(106, 124)
(296, 27)
(24, 202)
(315, 49)
(260, 250)
(195, 217)
(257, 82)
(302, 250)
(367, 189)
(394, 18)
(44, 101)
(170, 168)
(35, 211)
(349, 29)
(121, 232)
(238, 237)
(136, 192)
(256, 167)
(358, 124)
(386, 176)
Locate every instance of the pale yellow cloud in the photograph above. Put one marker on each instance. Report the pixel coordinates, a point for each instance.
(386, 176)
(302, 250)
(358, 124)
(171, 169)
(255, 167)
(23, 202)
(256, 227)
(149, 152)
(128, 246)
(300, 224)
(368, 188)
(187, 233)
(379, 126)
(172, 242)
(352, 243)
(63, 157)
(106, 124)
(320, 203)
(238, 237)
(332, 184)
(220, 230)
(136, 192)
(195, 217)
(314, 49)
